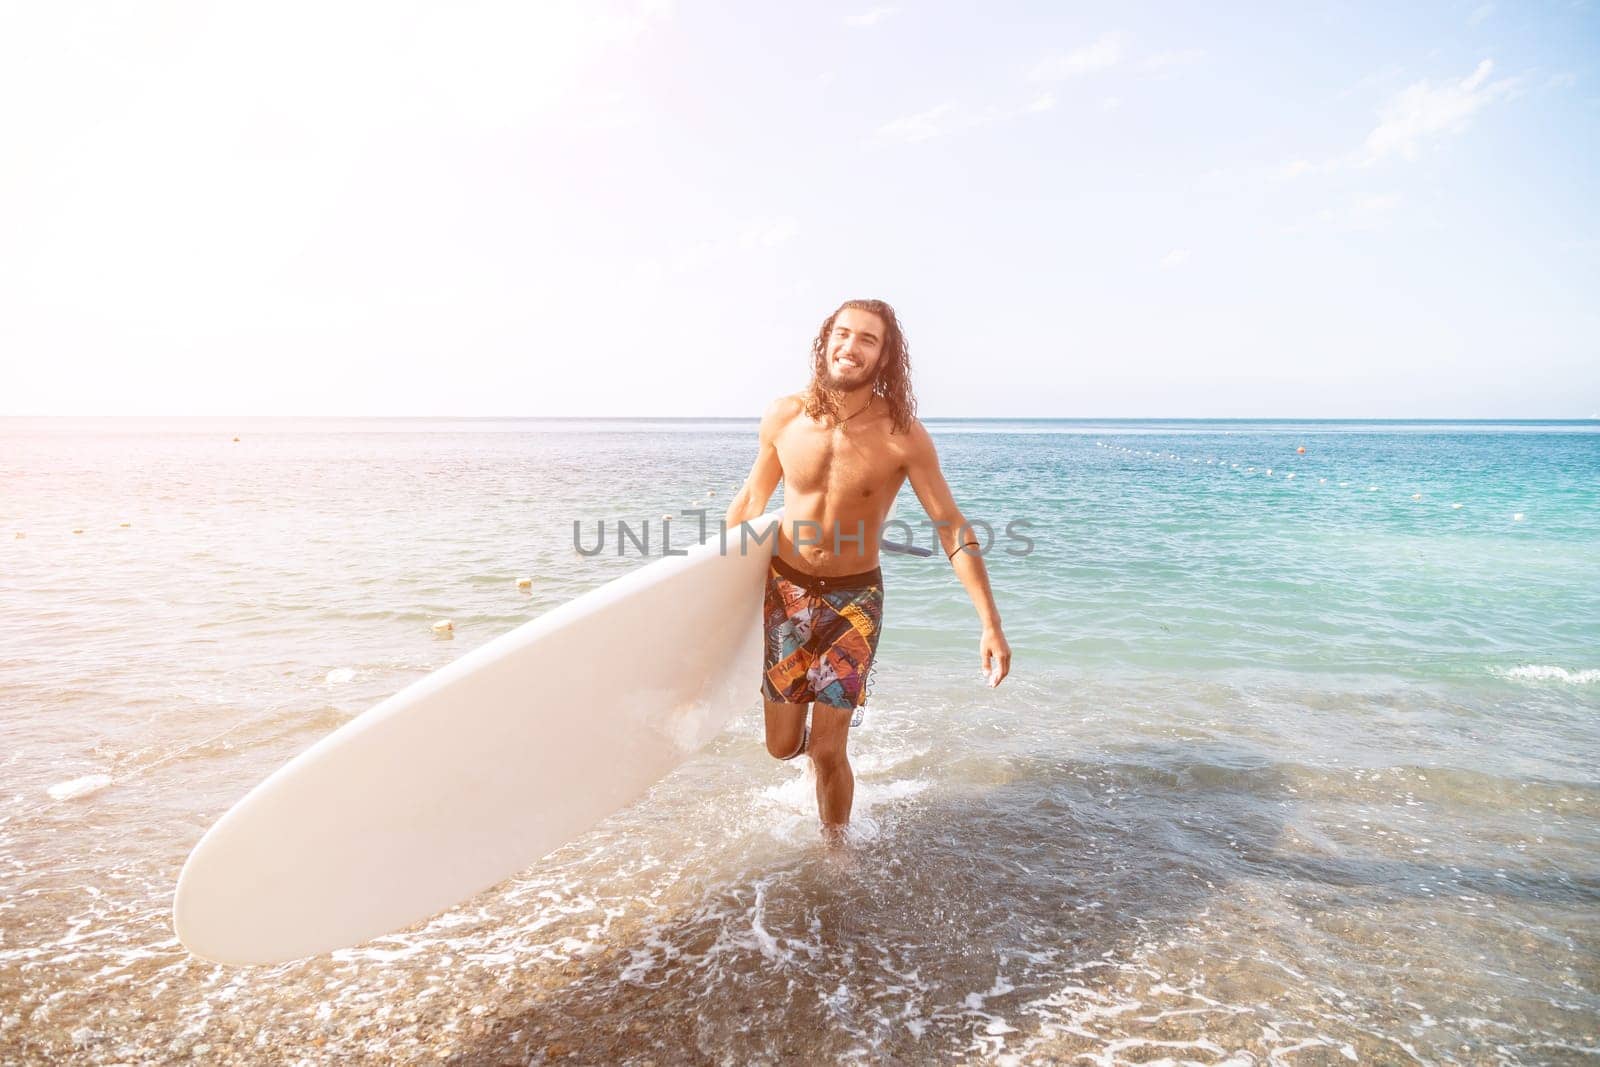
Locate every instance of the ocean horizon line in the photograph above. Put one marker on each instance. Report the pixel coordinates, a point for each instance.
(1089, 419)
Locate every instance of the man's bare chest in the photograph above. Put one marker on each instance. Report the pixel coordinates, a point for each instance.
(836, 461)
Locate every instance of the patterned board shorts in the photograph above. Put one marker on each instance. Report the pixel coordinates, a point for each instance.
(821, 636)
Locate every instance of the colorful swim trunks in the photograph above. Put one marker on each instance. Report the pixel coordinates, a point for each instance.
(821, 636)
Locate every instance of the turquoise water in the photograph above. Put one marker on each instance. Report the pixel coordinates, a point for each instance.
(1290, 769)
(1178, 550)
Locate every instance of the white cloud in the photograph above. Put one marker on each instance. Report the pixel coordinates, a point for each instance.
(1162, 62)
(708, 253)
(1377, 79)
(949, 118)
(1417, 115)
(1425, 112)
(1371, 212)
(870, 18)
(1363, 214)
(924, 125)
(769, 233)
(696, 256)
(1175, 258)
(1104, 53)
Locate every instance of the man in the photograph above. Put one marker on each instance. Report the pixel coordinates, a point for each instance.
(843, 447)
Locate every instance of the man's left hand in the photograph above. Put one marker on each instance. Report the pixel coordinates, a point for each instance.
(996, 656)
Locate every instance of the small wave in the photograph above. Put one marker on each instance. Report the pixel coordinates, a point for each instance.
(79, 787)
(1543, 672)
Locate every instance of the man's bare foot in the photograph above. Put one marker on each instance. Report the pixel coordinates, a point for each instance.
(836, 847)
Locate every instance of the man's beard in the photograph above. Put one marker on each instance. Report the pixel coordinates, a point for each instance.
(837, 384)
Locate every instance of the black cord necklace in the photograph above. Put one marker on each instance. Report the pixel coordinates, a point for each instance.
(864, 407)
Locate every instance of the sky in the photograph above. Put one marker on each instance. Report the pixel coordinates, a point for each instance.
(1309, 210)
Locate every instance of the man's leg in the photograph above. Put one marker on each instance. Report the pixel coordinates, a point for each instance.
(836, 783)
(786, 724)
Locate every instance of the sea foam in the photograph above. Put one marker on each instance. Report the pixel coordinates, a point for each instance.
(79, 787)
(1542, 672)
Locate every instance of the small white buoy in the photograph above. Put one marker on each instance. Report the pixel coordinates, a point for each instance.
(1286, 477)
(1454, 506)
(1343, 484)
(1269, 470)
(444, 628)
(1322, 481)
(666, 518)
(1372, 489)
(711, 492)
(525, 584)
(1517, 517)
(1416, 496)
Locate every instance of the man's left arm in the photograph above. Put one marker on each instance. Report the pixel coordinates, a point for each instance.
(927, 481)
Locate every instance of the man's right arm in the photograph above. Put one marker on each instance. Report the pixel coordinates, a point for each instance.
(751, 499)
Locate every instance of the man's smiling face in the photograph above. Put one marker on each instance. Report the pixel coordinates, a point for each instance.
(854, 347)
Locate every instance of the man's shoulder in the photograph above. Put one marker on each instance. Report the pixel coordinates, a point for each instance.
(914, 446)
(916, 435)
(784, 408)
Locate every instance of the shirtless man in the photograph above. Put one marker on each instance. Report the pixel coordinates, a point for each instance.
(843, 447)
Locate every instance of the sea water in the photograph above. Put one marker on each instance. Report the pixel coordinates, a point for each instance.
(1297, 762)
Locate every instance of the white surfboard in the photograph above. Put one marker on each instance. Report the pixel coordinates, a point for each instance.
(473, 773)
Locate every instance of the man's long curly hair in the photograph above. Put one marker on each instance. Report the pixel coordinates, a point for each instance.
(892, 380)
